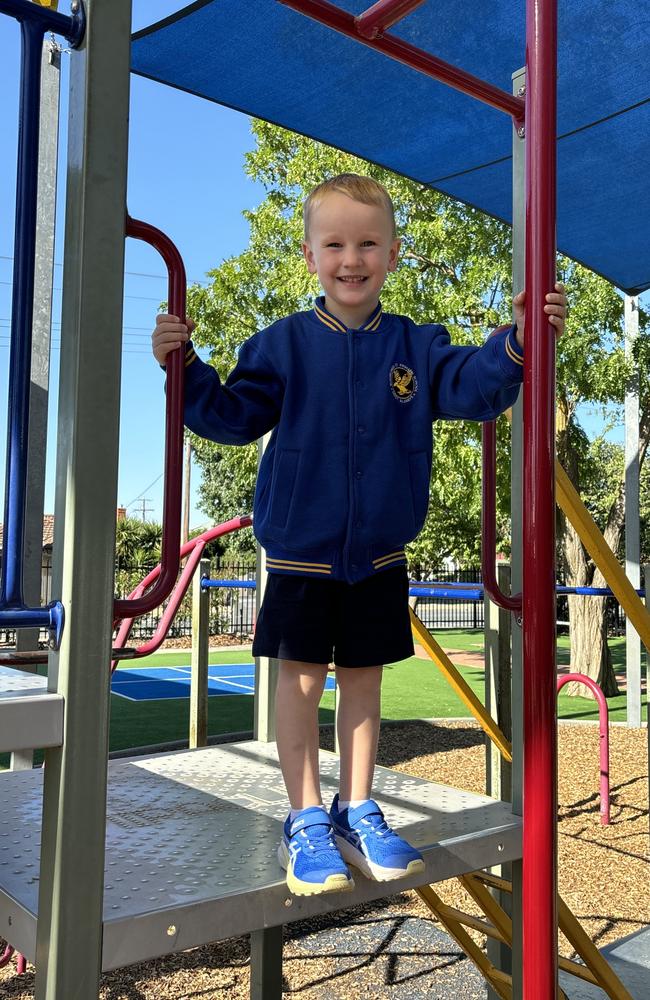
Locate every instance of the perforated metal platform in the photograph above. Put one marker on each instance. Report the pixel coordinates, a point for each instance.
(30, 717)
(192, 839)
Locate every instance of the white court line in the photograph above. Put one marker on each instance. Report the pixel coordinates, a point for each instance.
(244, 687)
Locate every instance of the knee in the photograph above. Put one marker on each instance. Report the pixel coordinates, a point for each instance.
(359, 682)
(301, 681)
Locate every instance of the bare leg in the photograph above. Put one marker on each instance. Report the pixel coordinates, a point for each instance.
(300, 686)
(359, 715)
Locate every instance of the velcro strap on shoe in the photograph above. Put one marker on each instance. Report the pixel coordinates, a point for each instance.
(313, 816)
(368, 808)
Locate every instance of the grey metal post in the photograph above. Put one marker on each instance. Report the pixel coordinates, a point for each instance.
(516, 472)
(266, 964)
(498, 681)
(632, 518)
(199, 670)
(69, 934)
(266, 668)
(40, 368)
(646, 584)
(498, 701)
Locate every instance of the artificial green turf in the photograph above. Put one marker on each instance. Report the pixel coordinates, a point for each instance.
(412, 689)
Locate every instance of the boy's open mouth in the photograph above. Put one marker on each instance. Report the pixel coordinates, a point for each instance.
(357, 280)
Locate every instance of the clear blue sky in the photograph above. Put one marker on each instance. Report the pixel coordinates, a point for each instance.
(196, 194)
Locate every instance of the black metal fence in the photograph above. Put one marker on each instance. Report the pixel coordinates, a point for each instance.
(232, 610)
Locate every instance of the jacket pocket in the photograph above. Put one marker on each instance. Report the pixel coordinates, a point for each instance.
(282, 488)
(420, 475)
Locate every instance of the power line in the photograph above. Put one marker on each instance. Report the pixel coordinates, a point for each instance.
(139, 496)
(132, 274)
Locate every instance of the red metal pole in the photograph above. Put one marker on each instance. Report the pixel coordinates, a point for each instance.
(332, 16)
(384, 14)
(171, 537)
(540, 725)
(488, 523)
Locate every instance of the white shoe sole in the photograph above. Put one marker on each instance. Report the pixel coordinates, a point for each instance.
(333, 883)
(373, 871)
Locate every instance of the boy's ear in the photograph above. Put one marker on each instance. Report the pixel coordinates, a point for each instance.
(394, 254)
(309, 258)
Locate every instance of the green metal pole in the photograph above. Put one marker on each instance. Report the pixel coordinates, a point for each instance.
(69, 937)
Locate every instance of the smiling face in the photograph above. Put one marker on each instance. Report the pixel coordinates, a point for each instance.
(351, 246)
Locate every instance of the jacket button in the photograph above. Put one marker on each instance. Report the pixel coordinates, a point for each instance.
(359, 474)
(354, 567)
(361, 429)
(358, 524)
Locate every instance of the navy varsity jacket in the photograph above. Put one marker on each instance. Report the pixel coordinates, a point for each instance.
(344, 482)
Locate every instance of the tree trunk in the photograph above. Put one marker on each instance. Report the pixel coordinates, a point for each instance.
(589, 650)
(587, 615)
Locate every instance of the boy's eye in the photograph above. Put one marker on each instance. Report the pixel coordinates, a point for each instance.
(368, 243)
(333, 244)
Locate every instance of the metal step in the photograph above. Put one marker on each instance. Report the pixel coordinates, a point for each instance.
(192, 839)
(30, 717)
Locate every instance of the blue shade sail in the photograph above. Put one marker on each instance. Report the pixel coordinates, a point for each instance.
(268, 61)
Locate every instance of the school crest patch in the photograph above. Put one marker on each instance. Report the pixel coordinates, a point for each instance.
(403, 383)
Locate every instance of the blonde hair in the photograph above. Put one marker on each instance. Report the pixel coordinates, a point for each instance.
(363, 189)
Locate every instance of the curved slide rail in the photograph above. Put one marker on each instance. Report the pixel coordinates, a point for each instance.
(192, 549)
(489, 521)
(603, 723)
(171, 538)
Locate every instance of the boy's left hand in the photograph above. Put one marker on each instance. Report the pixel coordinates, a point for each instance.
(555, 309)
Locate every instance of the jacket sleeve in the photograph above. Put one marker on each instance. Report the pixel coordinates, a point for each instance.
(242, 408)
(475, 383)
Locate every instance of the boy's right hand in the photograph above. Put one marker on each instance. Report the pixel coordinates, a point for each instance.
(169, 334)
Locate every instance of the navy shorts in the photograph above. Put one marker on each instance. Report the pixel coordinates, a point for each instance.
(362, 624)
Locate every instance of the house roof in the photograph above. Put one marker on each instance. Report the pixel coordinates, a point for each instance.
(48, 531)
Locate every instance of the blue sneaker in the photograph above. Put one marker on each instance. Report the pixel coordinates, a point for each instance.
(309, 854)
(366, 841)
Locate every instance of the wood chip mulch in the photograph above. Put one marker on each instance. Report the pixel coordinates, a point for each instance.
(393, 949)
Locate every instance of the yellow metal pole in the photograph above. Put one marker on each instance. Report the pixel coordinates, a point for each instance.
(460, 686)
(595, 544)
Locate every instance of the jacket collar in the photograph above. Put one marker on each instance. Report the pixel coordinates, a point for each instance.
(334, 323)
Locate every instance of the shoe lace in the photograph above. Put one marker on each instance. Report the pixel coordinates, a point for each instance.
(318, 838)
(379, 826)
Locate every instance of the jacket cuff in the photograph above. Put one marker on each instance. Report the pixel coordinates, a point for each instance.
(511, 356)
(190, 355)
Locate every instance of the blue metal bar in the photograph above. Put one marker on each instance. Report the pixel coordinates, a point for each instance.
(34, 22)
(243, 584)
(591, 591)
(71, 27)
(446, 593)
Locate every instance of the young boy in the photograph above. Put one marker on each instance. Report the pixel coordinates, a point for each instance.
(350, 393)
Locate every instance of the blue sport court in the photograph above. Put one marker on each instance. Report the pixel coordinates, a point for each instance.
(156, 683)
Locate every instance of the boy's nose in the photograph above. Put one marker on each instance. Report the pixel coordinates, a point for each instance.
(351, 257)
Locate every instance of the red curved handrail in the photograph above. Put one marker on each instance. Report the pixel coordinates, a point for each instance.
(603, 723)
(6, 956)
(489, 523)
(172, 491)
(194, 549)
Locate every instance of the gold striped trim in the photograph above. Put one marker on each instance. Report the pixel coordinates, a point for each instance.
(510, 351)
(391, 557)
(328, 320)
(292, 564)
(374, 323)
(190, 357)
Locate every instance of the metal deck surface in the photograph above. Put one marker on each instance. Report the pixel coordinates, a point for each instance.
(192, 839)
(30, 717)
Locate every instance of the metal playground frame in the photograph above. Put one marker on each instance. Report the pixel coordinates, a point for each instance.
(217, 784)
